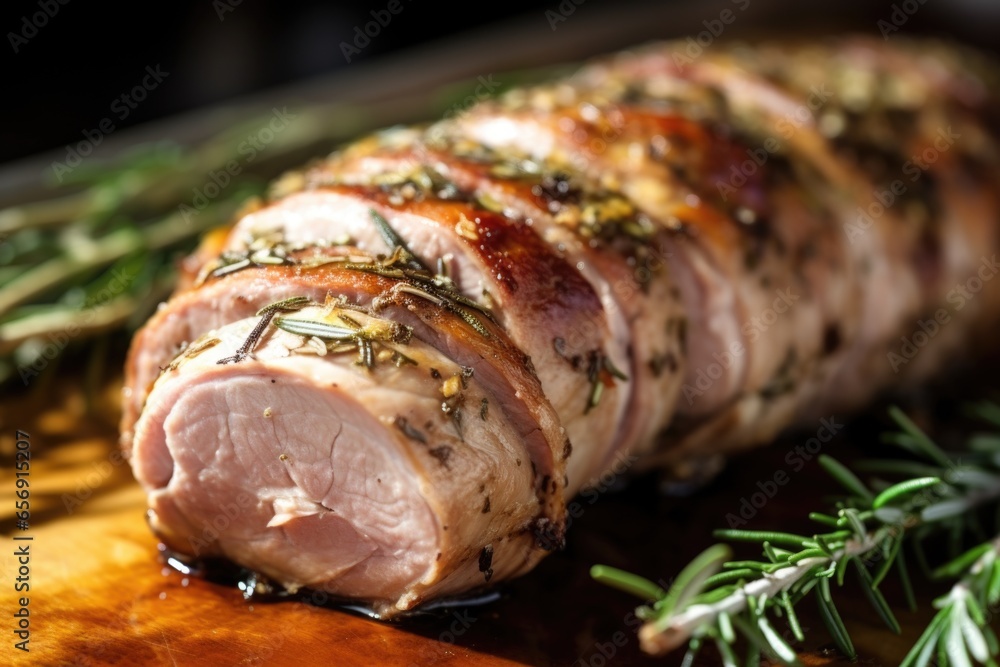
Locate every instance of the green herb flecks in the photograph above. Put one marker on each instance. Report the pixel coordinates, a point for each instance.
(403, 253)
(417, 280)
(717, 600)
(600, 372)
(354, 335)
(266, 314)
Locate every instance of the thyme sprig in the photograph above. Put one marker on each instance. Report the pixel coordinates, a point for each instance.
(717, 600)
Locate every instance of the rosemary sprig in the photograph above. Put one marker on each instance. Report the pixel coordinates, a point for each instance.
(150, 199)
(81, 254)
(717, 600)
(104, 209)
(961, 627)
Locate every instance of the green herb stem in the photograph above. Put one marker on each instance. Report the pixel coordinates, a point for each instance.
(682, 626)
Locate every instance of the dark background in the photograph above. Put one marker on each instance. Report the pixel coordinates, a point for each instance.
(64, 79)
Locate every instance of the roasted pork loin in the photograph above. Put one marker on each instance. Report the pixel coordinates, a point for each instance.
(386, 381)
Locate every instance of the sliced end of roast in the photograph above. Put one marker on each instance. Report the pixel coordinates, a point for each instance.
(319, 472)
(294, 474)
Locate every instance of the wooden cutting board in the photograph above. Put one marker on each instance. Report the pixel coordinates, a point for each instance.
(100, 592)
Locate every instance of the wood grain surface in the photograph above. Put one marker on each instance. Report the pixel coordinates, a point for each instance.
(101, 593)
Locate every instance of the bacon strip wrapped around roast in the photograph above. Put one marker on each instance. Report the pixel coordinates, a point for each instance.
(395, 373)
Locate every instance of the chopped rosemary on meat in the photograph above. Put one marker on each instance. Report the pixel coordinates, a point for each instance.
(452, 407)
(264, 249)
(191, 351)
(418, 280)
(410, 431)
(399, 183)
(351, 334)
(399, 359)
(266, 314)
(597, 215)
(600, 372)
(401, 251)
(716, 600)
(230, 261)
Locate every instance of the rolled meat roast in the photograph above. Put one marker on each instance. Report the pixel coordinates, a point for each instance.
(388, 380)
